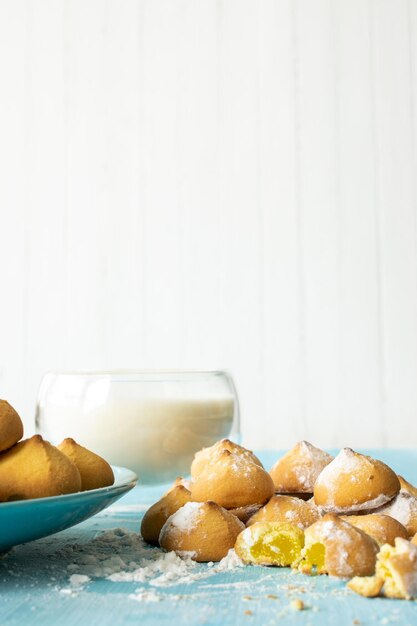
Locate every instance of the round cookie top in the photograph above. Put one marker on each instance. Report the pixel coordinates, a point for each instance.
(355, 482)
(203, 531)
(383, 528)
(298, 469)
(232, 480)
(281, 508)
(335, 547)
(206, 455)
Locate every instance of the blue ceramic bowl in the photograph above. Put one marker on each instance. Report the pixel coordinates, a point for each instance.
(26, 520)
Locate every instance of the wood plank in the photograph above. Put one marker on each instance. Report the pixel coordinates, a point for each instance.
(284, 406)
(393, 112)
(361, 373)
(319, 217)
(13, 211)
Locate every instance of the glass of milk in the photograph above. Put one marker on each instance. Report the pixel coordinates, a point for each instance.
(149, 421)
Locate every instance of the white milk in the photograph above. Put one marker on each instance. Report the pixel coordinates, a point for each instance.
(155, 437)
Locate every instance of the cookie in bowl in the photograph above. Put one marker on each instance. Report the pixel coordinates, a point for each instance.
(11, 426)
(34, 468)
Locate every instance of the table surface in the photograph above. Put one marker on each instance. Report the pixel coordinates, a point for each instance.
(35, 582)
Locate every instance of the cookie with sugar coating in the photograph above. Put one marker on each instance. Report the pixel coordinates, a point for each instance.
(355, 482)
(34, 468)
(404, 509)
(202, 530)
(297, 471)
(282, 508)
(332, 546)
(11, 426)
(156, 516)
(205, 456)
(232, 481)
(95, 472)
(383, 528)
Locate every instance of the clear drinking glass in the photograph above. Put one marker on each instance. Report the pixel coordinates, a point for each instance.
(149, 421)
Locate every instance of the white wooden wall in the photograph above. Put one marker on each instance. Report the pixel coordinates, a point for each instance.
(202, 183)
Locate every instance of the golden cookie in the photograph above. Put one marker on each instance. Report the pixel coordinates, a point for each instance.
(332, 546)
(382, 528)
(297, 471)
(282, 508)
(397, 566)
(202, 530)
(355, 482)
(34, 468)
(270, 543)
(204, 456)
(95, 472)
(232, 481)
(156, 516)
(11, 426)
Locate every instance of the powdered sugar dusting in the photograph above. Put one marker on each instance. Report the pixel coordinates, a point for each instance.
(402, 508)
(122, 556)
(185, 519)
(304, 462)
(371, 505)
(346, 462)
(346, 467)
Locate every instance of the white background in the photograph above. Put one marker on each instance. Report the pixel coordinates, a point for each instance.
(201, 183)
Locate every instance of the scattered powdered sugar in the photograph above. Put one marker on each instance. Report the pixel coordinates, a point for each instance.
(122, 556)
(78, 580)
(111, 551)
(229, 562)
(166, 569)
(145, 596)
(77, 583)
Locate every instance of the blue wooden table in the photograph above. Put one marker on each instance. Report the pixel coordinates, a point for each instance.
(35, 585)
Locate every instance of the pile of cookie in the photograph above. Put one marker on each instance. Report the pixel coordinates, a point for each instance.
(348, 516)
(34, 468)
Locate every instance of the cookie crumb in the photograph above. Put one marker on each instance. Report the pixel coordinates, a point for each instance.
(247, 598)
(271, 596)
(367, 586)
(297, 604)
(248, 612)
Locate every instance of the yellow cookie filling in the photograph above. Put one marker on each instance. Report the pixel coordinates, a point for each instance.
(270, 543)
